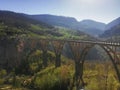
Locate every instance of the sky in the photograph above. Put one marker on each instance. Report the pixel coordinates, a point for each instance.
(100, 10)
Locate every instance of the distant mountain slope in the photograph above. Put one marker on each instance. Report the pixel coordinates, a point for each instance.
(92, 27)
(113, 23)
(113, 32)
(12, 23)
(67, 22)
(15, 24)
(87, 26)
(112, 29)
(94, 24)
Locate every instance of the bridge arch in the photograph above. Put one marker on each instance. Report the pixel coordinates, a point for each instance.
(108, 51)
(35, 45)
(57, 47)
(86, 45)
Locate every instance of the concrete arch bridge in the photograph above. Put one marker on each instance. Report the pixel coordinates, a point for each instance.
(79, 49)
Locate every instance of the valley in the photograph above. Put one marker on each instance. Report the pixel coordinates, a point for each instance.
(49, 52)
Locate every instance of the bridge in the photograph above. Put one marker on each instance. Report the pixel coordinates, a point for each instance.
(79, 49)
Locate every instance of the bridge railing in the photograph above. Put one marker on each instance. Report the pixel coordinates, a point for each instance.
(99, 42)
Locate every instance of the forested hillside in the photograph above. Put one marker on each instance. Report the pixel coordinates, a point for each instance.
(26, 63)
(112, 30)
(12, 24)
(87, 26)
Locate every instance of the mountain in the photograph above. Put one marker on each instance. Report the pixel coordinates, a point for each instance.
(56, 20)
(92, 27)
(16, 24)
(12, 24)
(93, 24)
(112, 29)
(113, 23)
(88, 26)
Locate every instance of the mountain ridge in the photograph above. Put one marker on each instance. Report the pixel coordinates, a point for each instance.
(16, 24)
(113, 23)
(91, 27)
(112, 29)
(94, 23)
(70, 22)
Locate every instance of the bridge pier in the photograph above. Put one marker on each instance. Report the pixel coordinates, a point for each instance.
(77, 80)
(57, 46)
(44, 56)
(114, 58)
(79, 51)
(79, 75)
(44, 48)
(58, 60)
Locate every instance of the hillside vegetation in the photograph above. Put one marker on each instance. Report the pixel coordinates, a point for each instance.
(86, 26)
(26, 70)
(15, 24)
(112, 32)
(97, 75)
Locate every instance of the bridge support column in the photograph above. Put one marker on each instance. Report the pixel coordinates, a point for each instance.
(57, 46)
(44, 45)
(77, 80)
(79, 51)
(44, 57)
(114, 58)
(58, 60)
(79, 75)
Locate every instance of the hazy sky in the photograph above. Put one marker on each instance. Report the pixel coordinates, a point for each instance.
(99, 10)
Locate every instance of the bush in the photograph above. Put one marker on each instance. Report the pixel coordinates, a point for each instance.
(3, 73)
(2, 81)
(53, 79)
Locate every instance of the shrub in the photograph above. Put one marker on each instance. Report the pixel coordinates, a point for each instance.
(53, 79)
